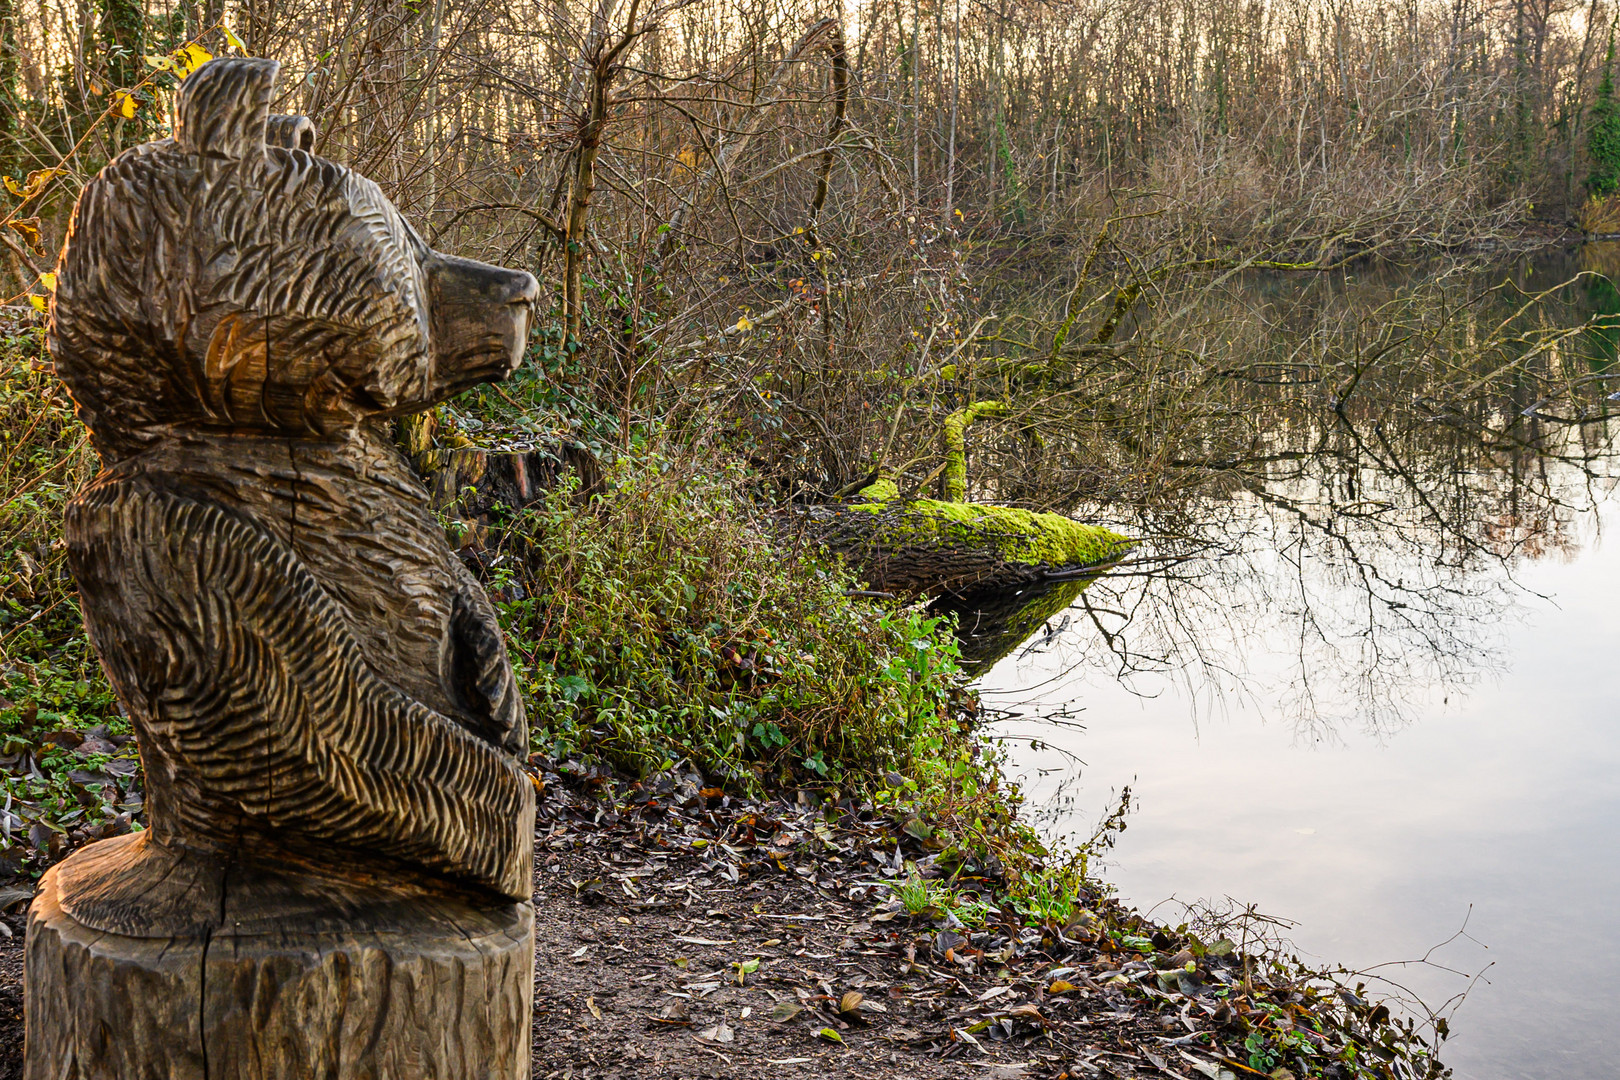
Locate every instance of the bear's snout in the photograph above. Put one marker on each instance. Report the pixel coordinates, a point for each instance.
(481, 315)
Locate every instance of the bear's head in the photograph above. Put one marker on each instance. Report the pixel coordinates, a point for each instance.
(228, 279)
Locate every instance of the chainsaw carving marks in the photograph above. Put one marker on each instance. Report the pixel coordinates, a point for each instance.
(320, 690)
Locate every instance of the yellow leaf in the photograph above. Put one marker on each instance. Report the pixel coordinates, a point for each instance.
(49, 281)
(37, 180)
(196, 57)
(231, 39)
(95, 88)
(124, 105)
(744, 324)
(162, 63)
(38, 302)
(11, 186)
(27, 228)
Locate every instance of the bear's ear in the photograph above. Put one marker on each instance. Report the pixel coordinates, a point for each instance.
(223, 106)
(291, 132)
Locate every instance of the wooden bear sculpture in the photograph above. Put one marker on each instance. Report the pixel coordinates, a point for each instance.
(335, 877)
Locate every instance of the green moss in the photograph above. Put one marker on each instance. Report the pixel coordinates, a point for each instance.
(953, 433)
(884, 490)
(1022, 536)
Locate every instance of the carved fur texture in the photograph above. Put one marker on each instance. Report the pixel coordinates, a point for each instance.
(310, 670)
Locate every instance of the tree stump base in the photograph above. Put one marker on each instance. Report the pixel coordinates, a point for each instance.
(424, 988)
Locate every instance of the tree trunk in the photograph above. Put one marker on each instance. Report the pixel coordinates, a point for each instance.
(267, 984)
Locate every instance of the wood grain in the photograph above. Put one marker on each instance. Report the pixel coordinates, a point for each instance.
(339, 851)
(442, 991)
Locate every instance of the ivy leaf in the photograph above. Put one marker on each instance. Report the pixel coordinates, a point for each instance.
(574, 687)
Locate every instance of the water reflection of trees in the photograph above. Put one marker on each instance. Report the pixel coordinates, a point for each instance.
(1352, 499)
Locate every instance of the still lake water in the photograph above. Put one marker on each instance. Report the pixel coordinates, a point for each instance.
(1337, 715)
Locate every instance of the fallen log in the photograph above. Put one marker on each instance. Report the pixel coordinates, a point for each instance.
(927, 547)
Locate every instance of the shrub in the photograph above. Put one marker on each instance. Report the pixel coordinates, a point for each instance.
(56, 788)
(662, 621)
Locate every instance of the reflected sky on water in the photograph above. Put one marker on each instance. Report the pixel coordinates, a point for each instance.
(1376, 692)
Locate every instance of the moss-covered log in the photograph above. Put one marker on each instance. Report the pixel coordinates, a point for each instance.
(924, 547)
(953, 436)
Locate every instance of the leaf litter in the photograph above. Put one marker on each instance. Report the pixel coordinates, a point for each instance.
(769, 931)
(685, 933)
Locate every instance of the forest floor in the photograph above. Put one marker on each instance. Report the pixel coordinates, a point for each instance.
(684, 934)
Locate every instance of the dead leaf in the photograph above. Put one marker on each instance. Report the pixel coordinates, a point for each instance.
(850, 1001)
(1061, 987)
(1208, 1068)
(11, 897)
(590, 1003)
(675, 1012)
(28, 229)
(720, 1033)
(785, 1011)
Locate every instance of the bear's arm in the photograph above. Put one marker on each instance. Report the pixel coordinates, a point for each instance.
(255, 705)
(480, 673)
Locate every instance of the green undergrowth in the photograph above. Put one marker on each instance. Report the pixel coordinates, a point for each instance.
(659, 621)
(1022, 536)
(54, 786)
